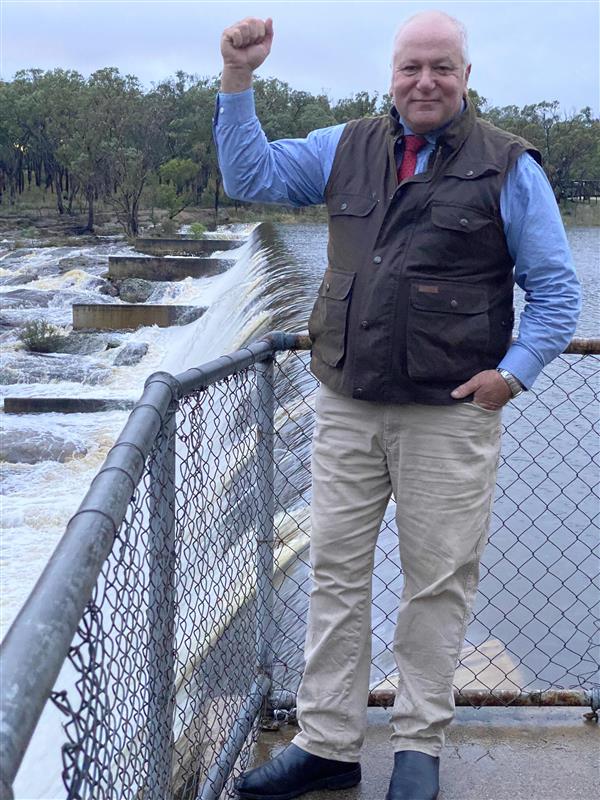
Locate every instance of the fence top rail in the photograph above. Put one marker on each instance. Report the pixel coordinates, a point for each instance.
(200, 377)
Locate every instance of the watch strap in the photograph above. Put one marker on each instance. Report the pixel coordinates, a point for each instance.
(514, 384)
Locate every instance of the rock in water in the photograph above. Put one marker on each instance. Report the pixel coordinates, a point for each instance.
(30, 447)
(27, 298)
(131, 354)
(83, 262)
(135, 290)
(19, 277)
(51, 368)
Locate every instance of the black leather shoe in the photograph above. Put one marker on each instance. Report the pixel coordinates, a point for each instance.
(415, 777)
(294, 772)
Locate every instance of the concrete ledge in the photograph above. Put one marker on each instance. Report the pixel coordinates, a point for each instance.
(62, 405)
(165, 269)
(490, 754)
(185, 246)
(103, 317)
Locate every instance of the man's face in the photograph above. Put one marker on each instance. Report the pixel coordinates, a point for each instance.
(429, 78)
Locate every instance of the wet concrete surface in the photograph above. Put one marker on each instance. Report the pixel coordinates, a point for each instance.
(490, 754)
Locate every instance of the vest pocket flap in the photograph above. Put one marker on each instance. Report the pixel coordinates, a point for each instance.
(472, 171)
(458, 218)
(353, 205)
(448, 298)
(336, 285)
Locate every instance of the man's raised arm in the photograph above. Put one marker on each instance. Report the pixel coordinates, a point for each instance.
(290, 171)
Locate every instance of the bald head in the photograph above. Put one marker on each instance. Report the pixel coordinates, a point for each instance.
(430, 70)
(426, 22)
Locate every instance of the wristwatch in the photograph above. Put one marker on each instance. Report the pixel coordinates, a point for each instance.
(514, 384)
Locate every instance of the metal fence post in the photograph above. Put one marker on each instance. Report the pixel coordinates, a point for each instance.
(161, 613)
(266, 505)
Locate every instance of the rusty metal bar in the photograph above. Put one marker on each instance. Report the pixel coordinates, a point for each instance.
(577, 346)
(499, 697)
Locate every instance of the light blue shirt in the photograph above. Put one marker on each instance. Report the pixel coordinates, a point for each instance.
(295, 172)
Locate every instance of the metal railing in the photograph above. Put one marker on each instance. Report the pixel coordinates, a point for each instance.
(176, 601)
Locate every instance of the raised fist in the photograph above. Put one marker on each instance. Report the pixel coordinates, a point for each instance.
(246, 44)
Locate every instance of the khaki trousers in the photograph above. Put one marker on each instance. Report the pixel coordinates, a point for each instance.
(440, 463)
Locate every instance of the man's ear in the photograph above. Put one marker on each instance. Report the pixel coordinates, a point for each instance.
(467, 73)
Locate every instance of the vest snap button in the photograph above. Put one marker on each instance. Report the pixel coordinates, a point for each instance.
(453, 303)
(326, 287)
(469, 172)
(344, 206)
(464, 222)
(364, 324)
(377, 260)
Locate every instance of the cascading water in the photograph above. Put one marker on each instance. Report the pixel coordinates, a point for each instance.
(262, 290)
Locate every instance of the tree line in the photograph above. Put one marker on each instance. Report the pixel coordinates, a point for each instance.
(107, 138)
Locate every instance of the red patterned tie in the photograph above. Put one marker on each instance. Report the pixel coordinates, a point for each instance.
(412, 145)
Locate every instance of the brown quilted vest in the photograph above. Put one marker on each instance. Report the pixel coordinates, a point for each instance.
(418, 293)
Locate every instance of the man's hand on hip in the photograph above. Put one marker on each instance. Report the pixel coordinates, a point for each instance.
(489, 390)
(244, 47)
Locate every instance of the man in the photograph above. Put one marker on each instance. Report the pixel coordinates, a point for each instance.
(433, 214)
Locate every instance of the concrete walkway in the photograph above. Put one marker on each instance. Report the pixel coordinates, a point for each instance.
(490, 754)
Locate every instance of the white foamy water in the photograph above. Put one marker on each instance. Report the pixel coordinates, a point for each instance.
(40, 498)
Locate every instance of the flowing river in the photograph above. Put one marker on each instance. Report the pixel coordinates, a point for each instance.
(264, 289)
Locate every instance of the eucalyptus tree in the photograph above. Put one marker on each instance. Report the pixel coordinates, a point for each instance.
(12, 146)
(46, 108)
(569, 143)
(131, 140)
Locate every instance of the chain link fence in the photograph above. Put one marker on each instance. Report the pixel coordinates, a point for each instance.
(194, 631)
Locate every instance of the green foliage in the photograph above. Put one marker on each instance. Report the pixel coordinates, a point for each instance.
(168, 228)
(570, 145)
(479, 102)
(106, 139)
(40, 336)
(178, 186)
(197, 230)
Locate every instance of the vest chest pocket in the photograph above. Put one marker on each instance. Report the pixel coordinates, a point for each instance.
(458, 218)
(448, 330)
(350, 205)
(328, 321)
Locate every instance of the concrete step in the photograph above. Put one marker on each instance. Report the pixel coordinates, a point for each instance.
(129, 316)
(63, 405)
(171, 268)
(185, 246)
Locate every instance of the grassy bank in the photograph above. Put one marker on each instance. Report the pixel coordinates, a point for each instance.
(582, 215)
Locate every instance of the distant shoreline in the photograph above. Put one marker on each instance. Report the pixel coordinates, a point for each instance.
(31, 221)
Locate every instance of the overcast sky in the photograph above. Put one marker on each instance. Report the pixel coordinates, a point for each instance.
(522, 52)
